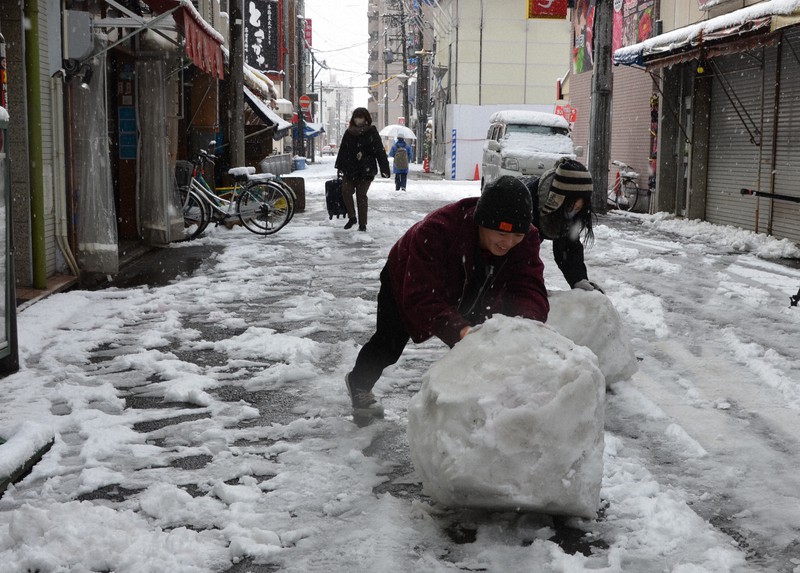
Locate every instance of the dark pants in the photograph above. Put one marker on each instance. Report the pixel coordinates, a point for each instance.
(400, 181)
(386, 345)
(359, 203)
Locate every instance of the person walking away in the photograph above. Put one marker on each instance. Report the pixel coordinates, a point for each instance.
(360, 155)
(449, 272)
(562, 211)
(403, 155)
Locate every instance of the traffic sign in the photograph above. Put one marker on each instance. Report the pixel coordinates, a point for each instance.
(305, 101)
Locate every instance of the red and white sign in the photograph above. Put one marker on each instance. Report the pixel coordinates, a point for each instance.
(308, 32)
(547, 8)
(567, 112)
(305, 102)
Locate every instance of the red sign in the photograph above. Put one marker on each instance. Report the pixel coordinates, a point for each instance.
(305, 102)
(308, 32)
(547, 8)
(567, 112)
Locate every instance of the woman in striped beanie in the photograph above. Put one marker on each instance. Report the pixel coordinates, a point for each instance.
(562, 211)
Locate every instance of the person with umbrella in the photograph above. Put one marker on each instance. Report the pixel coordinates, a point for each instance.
(360, 155)
(403, 155)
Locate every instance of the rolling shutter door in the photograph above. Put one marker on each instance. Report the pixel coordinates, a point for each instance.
(786, 214)
(736, 116)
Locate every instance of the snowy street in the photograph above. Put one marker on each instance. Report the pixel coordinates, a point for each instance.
(203, 425)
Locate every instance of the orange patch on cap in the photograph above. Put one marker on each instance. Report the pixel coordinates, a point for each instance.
(506, 226)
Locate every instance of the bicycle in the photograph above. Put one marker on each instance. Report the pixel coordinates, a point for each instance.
(624, 194)
(261, 202)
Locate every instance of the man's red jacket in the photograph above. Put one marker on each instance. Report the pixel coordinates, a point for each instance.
(431, 265)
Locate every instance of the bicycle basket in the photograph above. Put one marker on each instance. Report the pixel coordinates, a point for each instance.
(183, 172)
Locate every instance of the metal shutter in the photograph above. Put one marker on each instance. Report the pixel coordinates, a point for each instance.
(736, 115)
(786, 214)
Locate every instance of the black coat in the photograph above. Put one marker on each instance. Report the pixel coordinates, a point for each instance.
(361, 153)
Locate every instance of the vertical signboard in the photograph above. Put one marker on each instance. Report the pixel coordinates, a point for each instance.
(633, 23)
(261, 35)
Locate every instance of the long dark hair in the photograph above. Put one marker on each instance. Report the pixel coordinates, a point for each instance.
(361, 112)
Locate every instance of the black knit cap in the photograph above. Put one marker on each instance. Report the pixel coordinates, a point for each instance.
(505, 205)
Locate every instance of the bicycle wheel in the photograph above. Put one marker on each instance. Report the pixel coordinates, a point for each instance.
(195, 214)
(263, 209)
(626, 199)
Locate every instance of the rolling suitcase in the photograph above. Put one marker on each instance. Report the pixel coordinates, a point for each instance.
(333, 198)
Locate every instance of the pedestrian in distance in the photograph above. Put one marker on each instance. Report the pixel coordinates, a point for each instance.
(361, 155)
(447, 274)
(403, 155)
(562, 211)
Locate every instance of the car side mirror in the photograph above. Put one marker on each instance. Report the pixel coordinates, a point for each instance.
(579, 151)
(492, 145)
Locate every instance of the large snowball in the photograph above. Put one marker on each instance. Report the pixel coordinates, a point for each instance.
(511, 418)
(588, 318)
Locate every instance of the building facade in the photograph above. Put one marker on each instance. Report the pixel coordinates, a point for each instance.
(103, 99)
(489, 56)
(730, 107)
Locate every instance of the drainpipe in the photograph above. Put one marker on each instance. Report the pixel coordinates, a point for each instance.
(35, 164)
(59, 180)
(776, 107)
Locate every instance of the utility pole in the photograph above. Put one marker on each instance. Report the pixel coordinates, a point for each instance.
(301, 56)
(404, 53)
(600, 120)
(236, 111)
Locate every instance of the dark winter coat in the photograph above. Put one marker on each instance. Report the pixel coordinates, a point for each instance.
(361, 153)
(432, 269)
(408, 149)
(567, 246)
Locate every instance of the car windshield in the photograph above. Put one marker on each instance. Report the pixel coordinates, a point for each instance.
(535, 129)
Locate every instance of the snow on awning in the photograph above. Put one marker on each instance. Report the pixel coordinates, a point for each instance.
(203, 44)
(263, 111)
(284, 106)
(730, 26)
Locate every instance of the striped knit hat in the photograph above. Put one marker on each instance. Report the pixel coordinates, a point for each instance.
(571, 179)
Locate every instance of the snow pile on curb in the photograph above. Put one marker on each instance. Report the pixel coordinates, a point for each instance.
(20, 447)
(512, 419)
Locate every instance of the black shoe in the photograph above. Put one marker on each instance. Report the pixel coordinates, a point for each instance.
(362, 227)
(363, 401)
(350, 222)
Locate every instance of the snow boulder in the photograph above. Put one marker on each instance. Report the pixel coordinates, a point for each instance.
(511, 419)
(588, 318)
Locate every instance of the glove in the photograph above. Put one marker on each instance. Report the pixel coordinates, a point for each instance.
(584, 284)
(385, 175)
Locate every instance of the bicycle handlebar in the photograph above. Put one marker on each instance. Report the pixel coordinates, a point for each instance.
(206, 156)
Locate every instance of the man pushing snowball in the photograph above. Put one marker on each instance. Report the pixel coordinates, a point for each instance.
(448, 273)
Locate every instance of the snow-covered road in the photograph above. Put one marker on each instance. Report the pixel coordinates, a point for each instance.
(203, 426)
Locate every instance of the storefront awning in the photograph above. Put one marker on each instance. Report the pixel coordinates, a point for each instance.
(766, 16)
(264, 112)
(203, 44)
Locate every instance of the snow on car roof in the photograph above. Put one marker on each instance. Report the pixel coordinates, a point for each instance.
(532, 117)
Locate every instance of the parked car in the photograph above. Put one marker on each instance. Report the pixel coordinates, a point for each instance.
(329, 149)
(524, 144)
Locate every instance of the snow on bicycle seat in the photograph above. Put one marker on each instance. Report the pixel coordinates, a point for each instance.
(260, 177)
(241, 173)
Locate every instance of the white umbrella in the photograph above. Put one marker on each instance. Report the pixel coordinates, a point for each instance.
(397, 130)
